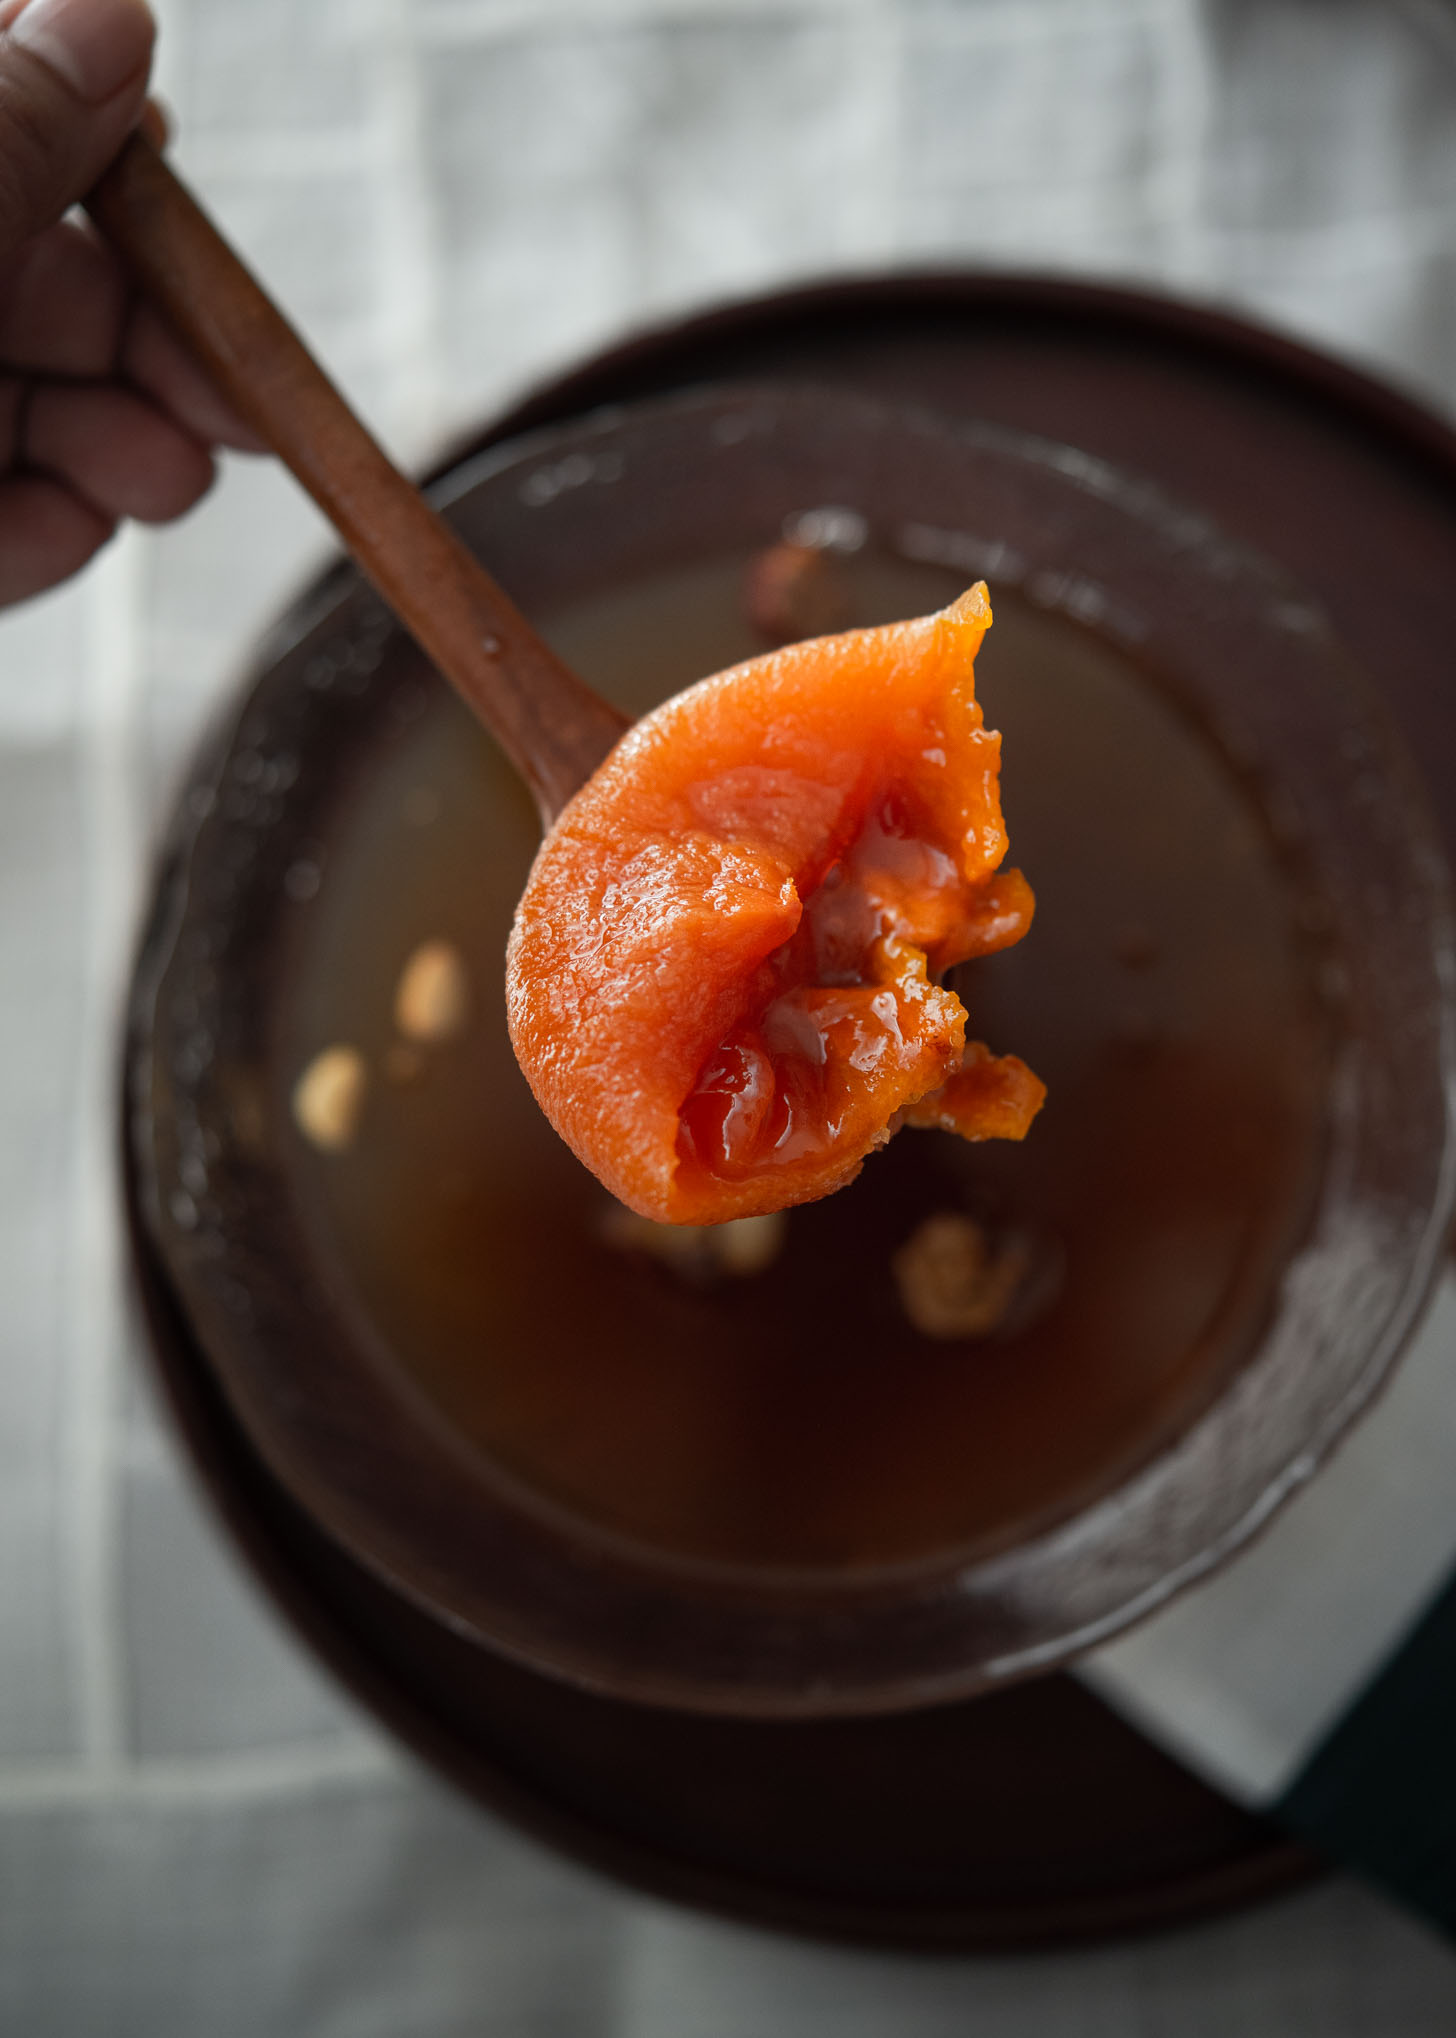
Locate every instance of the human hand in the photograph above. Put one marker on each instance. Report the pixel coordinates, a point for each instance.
(103, 415)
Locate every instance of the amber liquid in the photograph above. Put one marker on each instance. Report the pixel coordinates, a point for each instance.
(794, 1418)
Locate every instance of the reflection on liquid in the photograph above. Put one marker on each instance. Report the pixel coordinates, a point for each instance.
(796, 1417)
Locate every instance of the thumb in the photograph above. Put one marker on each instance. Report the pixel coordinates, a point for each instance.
(73, 81)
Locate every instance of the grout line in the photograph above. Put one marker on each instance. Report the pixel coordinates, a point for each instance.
(457, 23)
(110, 836)
(1177, 185)
(184, 1781)
(169, 71)
(1391, 234)
(877, 56)
(895, 161)
(407, 309)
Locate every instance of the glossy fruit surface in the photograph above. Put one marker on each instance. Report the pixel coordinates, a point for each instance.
(724, 976)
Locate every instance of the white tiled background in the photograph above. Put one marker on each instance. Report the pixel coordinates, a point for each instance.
(454, 197)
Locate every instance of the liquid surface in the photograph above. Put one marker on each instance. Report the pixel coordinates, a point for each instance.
(794, 1416)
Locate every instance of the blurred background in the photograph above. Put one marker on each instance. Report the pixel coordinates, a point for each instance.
(454, 198)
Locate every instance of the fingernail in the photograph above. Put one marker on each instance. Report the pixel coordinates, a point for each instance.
(94, 45)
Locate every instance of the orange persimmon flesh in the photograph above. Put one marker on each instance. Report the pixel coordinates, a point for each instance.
(723, 979)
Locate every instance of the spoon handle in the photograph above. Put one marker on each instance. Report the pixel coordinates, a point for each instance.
(551, 725)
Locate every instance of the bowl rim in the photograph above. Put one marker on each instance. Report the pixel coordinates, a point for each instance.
(690, 1645)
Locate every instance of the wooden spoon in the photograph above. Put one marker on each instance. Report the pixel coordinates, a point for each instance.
(551, 725)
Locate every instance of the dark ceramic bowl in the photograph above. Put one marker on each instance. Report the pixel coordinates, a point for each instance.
(772, 1497)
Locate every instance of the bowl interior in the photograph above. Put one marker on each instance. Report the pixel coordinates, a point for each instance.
(769, 1491)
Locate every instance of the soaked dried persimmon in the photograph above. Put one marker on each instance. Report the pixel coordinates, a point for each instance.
(723, 981)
